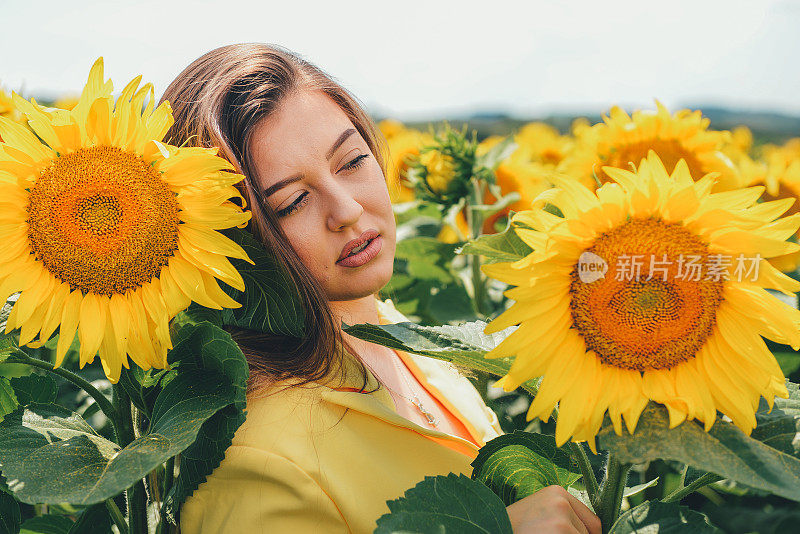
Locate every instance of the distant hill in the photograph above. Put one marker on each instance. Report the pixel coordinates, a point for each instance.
(767, 127)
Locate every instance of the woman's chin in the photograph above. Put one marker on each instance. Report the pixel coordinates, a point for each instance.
(356, 285)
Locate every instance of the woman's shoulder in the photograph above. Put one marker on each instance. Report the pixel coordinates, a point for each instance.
(279, 413)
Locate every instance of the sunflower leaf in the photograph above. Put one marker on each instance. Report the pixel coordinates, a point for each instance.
(51, 455)
(47, 524)
(207, 349)
(10, 515)
(779, 427)
(93, 520)
(8, 400)
(270, 302)
(451, 503)
(505, 246)
(463, 345)
(724, 450)
(519, 464)
(497, 154)
(35, 388)
(664, 518)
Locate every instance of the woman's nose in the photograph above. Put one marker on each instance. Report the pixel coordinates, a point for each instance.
(343, 210)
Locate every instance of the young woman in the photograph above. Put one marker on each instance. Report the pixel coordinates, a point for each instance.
(335, 426)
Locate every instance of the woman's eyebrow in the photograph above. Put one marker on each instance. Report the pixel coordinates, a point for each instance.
(290, 180)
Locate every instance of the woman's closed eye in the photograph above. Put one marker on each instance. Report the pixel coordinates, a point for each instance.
(301, 200)
(356, 162)
(294, 206)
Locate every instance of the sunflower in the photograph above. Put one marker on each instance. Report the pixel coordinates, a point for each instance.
(779, 172)
(403, 143)
(539, 149)
(608, 336)
(6, 106)
(66, 102)
(107, 232)
(7, 109)
(621, 140)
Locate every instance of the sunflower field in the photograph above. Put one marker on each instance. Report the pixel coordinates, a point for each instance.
(624, 294)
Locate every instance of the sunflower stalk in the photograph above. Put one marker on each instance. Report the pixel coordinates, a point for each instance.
(20, 356)
(475, 223)
(609, 500)
(705, 480)
(116, 516)
(578, 454)
(169, 476)
(136, 495)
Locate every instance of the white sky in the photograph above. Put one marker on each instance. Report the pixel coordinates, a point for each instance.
(417, 60)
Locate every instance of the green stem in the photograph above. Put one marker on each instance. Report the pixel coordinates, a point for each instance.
(116, 516)
(20, 356)
(705, 480)
(136, 495)
(475, 223)
(610, 498)
(589, 480)
(169, 475)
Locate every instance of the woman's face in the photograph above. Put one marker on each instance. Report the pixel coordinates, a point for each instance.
(319, 175)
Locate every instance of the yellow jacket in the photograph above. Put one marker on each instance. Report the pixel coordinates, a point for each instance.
(300, 464)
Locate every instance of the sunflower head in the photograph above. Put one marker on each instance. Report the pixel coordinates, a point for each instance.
(525, 171)
(442, 170)
(652, 287)
(622, 140)
(107, 232)
(7, 108)
(403, 145)
(66, 102)
(391, 127)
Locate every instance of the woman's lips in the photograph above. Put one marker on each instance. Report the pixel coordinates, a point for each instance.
(374, 243)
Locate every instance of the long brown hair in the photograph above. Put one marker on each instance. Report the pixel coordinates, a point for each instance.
(216, 101)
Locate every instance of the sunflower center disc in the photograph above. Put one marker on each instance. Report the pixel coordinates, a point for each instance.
(636, 323)
(669, 150)
(102, 220)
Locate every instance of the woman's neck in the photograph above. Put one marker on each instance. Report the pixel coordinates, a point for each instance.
(362, 310)
(357, 311)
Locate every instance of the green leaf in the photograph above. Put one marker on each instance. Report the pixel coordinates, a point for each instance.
(46, 524)
(780, 426)
(270, 302)
(750, 517)
(487, 210)
(724, 450)
(521, 463)
(93, 520)
(662, 518)
(35, 388)
(789, 361)
(5, 311)
(143, 386)
(463, 345)
(428, 258)
(207, 349)
(637, 489)
(130, 380)
(10, 515)
(505, 246)
(452, 503)
(8, 401)
(497, 154)
(450, 303)
(53, 456)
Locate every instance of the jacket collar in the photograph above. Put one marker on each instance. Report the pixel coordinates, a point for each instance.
(341, 387)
